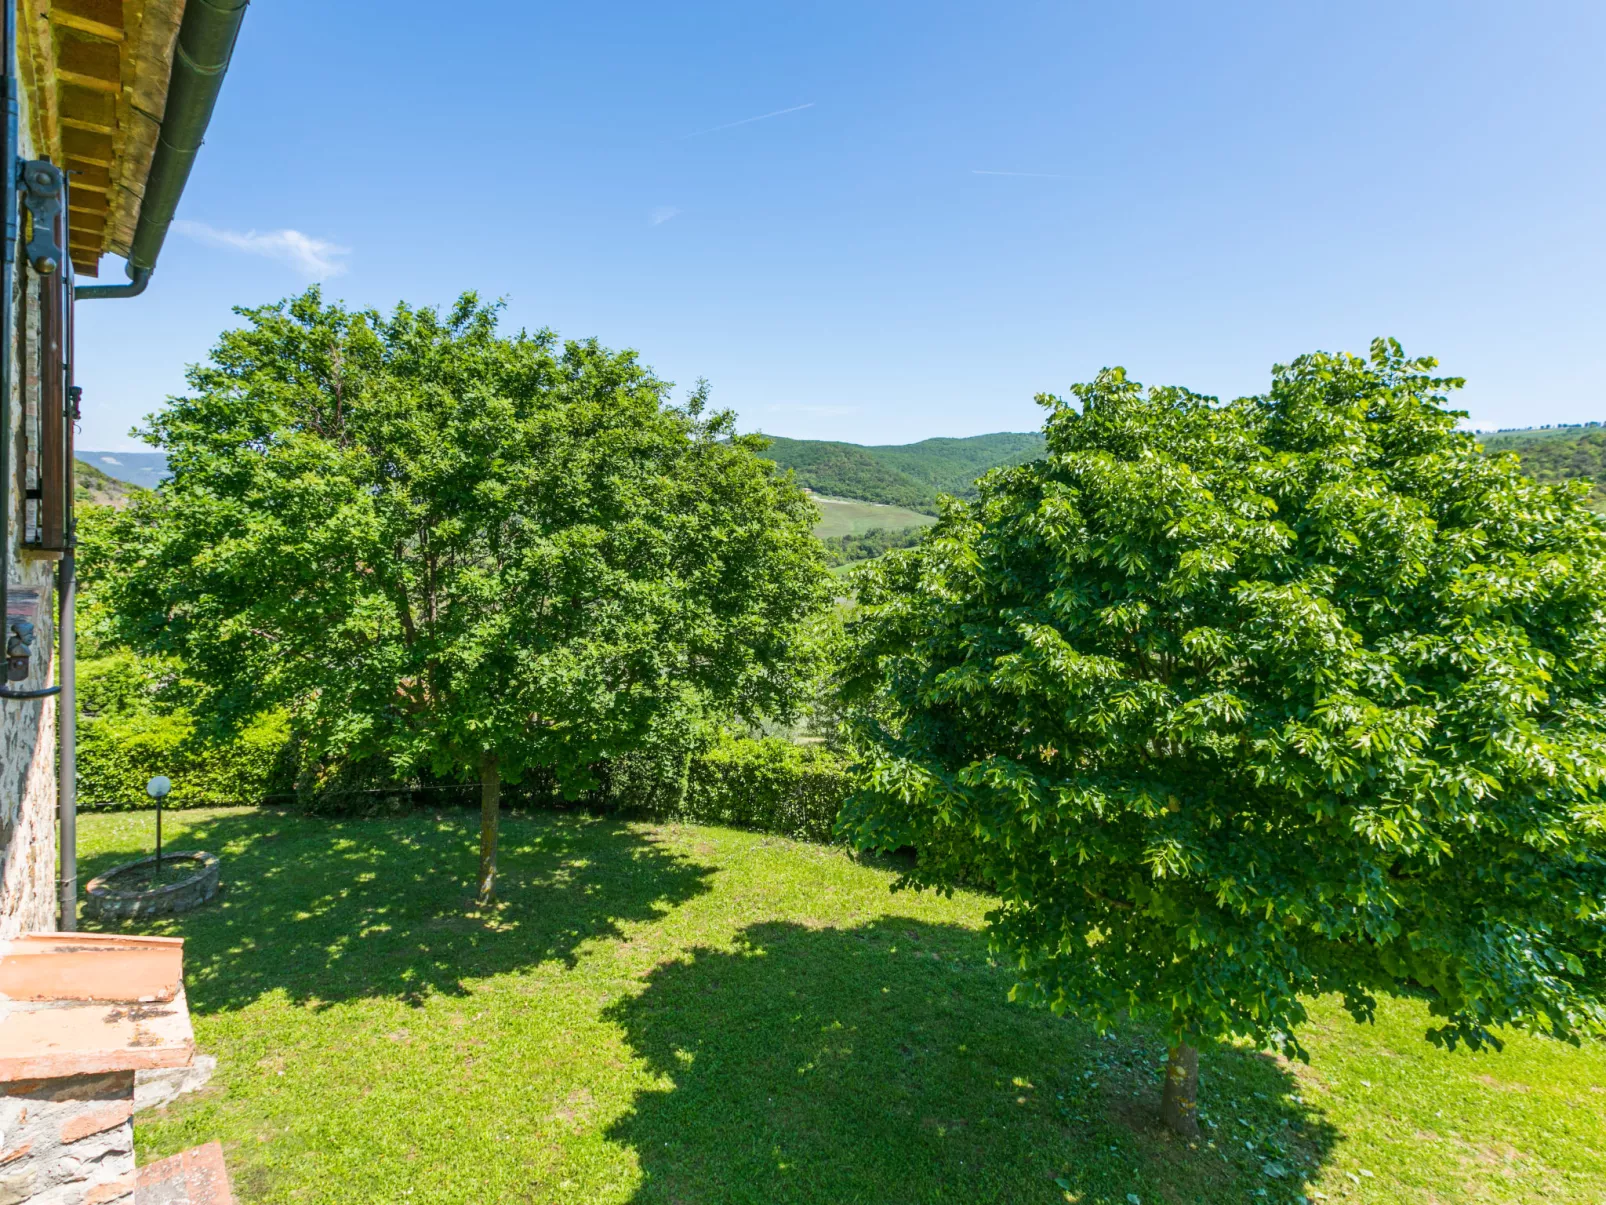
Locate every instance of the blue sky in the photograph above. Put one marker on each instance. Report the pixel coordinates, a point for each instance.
(886, 221)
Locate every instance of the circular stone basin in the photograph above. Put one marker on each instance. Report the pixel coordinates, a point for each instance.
(118, 892)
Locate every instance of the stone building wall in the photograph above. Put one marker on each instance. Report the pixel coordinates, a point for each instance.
(28, 817)
(27, 729)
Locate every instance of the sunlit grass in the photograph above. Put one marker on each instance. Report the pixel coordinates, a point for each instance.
(849, 517)
(678, 1014)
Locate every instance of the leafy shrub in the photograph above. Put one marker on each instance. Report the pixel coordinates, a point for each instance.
(770, 785)
(119, 754)
(129, 730)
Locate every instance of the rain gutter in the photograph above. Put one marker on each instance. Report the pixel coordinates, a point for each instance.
(200, 60)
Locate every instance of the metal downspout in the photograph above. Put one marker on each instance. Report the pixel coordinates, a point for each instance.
(67, 730)
(67, 636)
(8, 325)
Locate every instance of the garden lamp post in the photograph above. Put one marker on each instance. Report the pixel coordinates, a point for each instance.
(157, 788)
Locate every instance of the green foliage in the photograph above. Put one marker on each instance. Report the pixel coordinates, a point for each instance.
(447, 549)
(770, 785)
(909, 475)
(1239, 704)
(840, 550)
(1558, 454)
(126, 736)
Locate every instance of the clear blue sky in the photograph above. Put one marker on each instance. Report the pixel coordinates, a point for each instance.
(1193, 190)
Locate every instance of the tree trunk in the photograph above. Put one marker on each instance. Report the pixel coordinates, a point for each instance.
(490, 802)
(1179, 1100)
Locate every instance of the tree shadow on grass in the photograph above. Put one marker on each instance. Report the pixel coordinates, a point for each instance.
(884, 1064)
(330, 910)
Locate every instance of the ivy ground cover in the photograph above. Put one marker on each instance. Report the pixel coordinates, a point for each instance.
(694, 1014)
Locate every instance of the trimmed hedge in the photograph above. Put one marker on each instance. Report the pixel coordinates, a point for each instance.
(770, 785)
(119, 754)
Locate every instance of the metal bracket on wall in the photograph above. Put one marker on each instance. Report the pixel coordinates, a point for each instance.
(42, 193)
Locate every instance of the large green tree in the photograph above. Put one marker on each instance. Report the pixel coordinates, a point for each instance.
(1239, 703)
(445, 547)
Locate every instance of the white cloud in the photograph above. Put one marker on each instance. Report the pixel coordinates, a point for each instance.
(314, 258)
(662, 214)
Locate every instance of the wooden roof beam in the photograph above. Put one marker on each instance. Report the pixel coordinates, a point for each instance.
(67, 20)
(94, 65)
(83, 146)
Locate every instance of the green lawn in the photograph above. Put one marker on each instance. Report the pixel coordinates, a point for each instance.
(678, 1014)
(846, 517)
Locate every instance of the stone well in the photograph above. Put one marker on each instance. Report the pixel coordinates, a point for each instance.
(105, 899)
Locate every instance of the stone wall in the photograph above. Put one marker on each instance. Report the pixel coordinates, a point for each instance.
(27, 817)
(27, 729)
(68, 1141)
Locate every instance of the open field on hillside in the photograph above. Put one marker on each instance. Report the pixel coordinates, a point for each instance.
(700, 1015)
(845, 517)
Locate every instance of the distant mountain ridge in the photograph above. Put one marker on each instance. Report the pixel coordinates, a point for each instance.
(910, 475)
(137, 468)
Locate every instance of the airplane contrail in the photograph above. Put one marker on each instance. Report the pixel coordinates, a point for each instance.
(731, 125)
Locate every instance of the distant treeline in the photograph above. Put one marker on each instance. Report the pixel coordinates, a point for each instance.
(841, 550)
(1552, 454)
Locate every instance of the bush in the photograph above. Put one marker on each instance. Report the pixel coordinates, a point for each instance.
(119, 754)
(129, 731)
(770, 785)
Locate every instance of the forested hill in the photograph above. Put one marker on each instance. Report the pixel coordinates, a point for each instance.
(909, 475)
(1557, 454)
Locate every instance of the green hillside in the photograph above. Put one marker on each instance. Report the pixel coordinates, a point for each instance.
(908, 475)
(951, 466)
(1558, 454)
(848, 471)
(96, 488)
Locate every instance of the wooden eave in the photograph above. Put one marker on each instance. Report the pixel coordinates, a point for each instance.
(95, 74)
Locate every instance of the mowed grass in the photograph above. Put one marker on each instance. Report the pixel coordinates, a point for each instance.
(846, 517)
(680, 1014)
